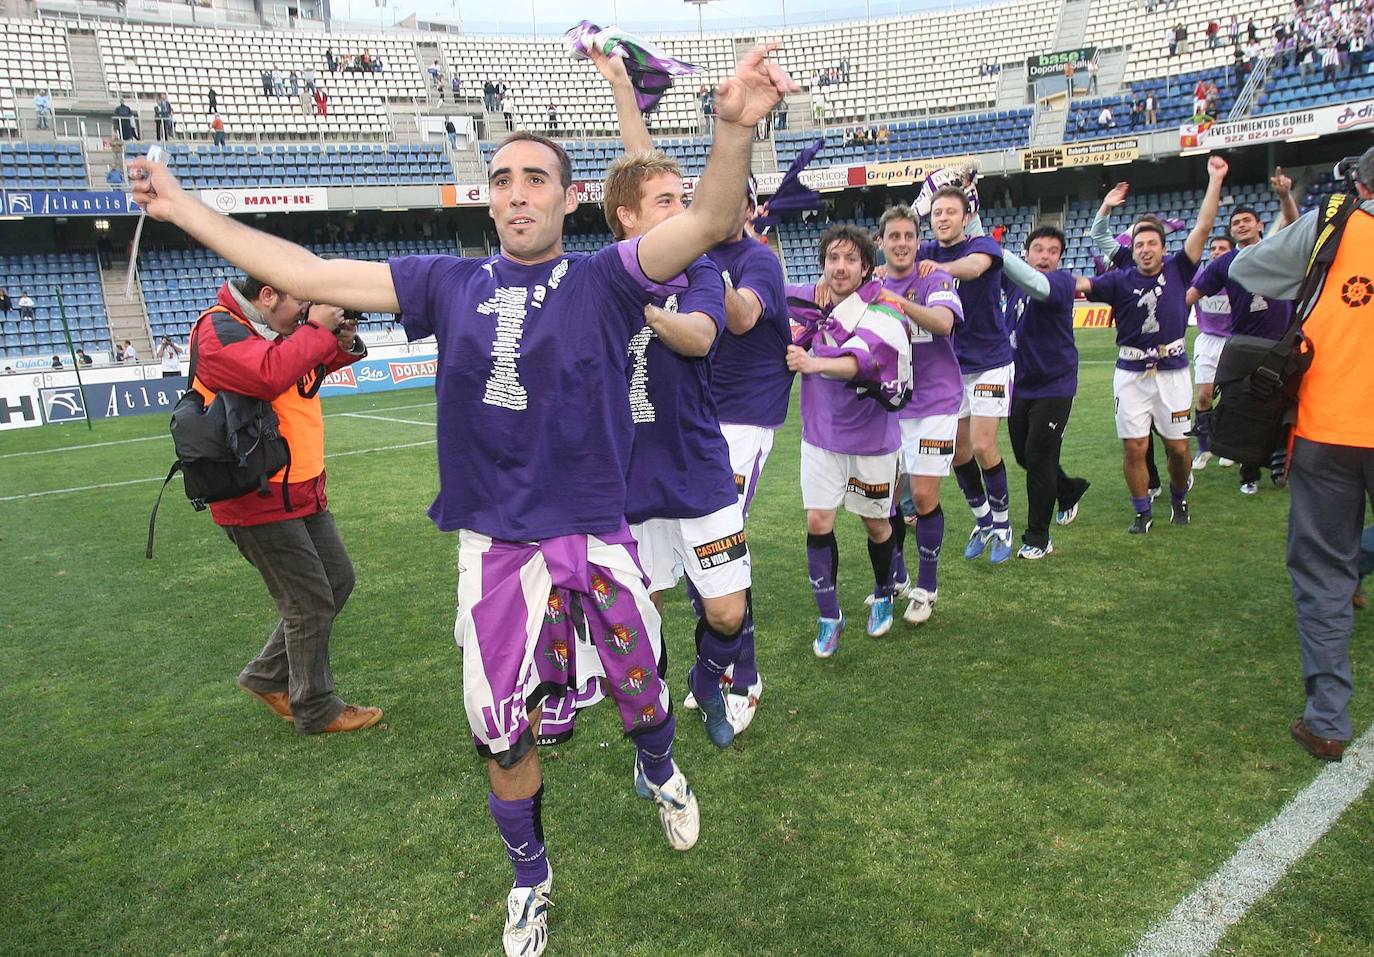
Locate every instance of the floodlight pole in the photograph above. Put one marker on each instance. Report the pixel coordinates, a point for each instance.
(71, 350)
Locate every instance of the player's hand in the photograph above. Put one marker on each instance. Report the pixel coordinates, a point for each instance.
(347, 333)
(1217, 168)
(798, 359)
(925, 267)
(1117, 195)
(755, 88)
(610, 67)
(822, 294)
(1281, 182)
(154, 188)
(326, 317)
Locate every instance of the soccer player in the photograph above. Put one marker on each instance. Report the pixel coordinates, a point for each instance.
(985, 360)
(930, 420)
(1040, 315)
(682, 506)
(855, 358)
(1251, 315)
(1151, 384)
(750, 381)
(1214, 328)
(531, 397)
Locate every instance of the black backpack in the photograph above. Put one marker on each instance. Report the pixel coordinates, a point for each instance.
(1257, 379)
(229, 448)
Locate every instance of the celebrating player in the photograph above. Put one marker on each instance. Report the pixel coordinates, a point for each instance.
(1213, 315)
(855, 359)
(532, 352)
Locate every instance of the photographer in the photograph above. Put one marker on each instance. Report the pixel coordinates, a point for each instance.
(263, 343)
(1332, 462)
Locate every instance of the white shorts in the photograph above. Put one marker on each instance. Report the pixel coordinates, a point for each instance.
(928, 444)
(987, 394)
(710, 549)
(1164, 397)
(862, 483)
(1206, 352)
(749, 448)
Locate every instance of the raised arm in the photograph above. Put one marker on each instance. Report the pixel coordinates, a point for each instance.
(1288, 206)
(633, 130)
(741, 101)
(1196, 243)
(1101, 231)
(352, 284)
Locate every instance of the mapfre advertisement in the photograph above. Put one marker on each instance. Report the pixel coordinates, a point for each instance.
(267, 199)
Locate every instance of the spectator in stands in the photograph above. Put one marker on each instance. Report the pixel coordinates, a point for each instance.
(1136, 108)
(1308, 63)
(330, 63)
(434, 73)
(309, 77)
(217, 130)
(1105, 120)
(119, 352)
(293, 84)
(163, 110)
(506, 100)
(1251, 32)
(365, 61)
(321, 102)
(266, 77)
(489, 96)
(83, 359)
(706, 99)
(1179, 44)
(1233, 31)
(999, 233)
(1068, 76)
(884, 134)
(124, 120)
(1092, 75)
(113, 177)
(1213, 34)
(5, 304)
(1151, 108)
(781, 111)
(42, 108)
(455, 86)
(1357, 44)
(1331, 61)
(26, 305)
(307, 100)
(130, 353)
(553, 120)
(278, 86)
(1080, 120)
(104, 250)
(818, 108)
(170, 354)
(57, 362)
(1210, 101)
(213, 97)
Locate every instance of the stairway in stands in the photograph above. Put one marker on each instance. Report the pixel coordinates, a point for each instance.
(128, 317)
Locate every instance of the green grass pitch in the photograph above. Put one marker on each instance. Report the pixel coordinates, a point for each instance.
(1045, 768)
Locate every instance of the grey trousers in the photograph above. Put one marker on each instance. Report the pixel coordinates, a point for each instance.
(310, 576)
(1330, 485)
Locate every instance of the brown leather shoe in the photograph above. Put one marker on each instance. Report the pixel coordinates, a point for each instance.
(276, 700)
(1359, 601)
(353, 718)
(1326, 749)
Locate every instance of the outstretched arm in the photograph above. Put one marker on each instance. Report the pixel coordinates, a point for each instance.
(352, 284)
(1288, 206)
(965, 268)
(633, 130)
(1196, 242)
(1101, 231)
(741, 101)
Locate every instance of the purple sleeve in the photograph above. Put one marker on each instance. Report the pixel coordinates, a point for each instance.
(941, 290)
(705, 293)
(1184, 266)
(926, 250)
(417, 279)
(762, 277)
(1063, 289)
(1103, 289)
(1212, 278)
(988, 246)
(631, 273)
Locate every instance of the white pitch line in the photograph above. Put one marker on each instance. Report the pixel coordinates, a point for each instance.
(159, 438)
(93, 488)
(1202, 918)
(385, 418)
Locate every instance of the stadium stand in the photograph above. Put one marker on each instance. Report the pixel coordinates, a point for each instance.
(1287, 89)
(1175, 98)
(9, 113)
(77, 275)
(946, 136)
(356, 164)
(42, 166)
(1117, 24)
(34, 57)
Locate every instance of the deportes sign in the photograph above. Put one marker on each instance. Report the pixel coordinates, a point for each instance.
(1052, 64)
(68, 203)
(266, 199)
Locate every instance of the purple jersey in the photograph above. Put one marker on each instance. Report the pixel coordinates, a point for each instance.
(1213, 312)
(1150, 312)
(982, 341)
(1042, 339)
(1251, 315)
(939, 385)
(680, 464)
(533, 428)
(843, 415)
(749, 375)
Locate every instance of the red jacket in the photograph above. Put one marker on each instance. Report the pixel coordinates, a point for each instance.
(231, 356)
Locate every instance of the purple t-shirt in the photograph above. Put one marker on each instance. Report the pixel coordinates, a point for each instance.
(869, 326)
(1213, 312)
(533, 428)
(680, 464)
(939, 388)
(750, 378)
(981, 342)
(1150, 312)
(1042, 339)
(1251, 315)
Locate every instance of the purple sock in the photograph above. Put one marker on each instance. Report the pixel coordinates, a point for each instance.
(1176, 494)
(822, 565)
(1141, 504)
(746, 666)
(880, 555)
(656, 751)
(999, 498)
(522, 829)
(970, 478)
(930, 534)
(715, 653)
(899, 575)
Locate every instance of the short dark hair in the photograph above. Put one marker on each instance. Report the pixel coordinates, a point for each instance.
(1222, 238)
(848, 233)
(1048, 232)
(899, 211)
(250, 287)
(952, 192)
(564, 161)
(1242, 209)
(1150, 224)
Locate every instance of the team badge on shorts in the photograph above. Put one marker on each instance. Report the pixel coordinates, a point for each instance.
(872, 490)
(622, 640)
(722, 550)
(1178, 417)
(935, 447)
(603, 592)
(558, 654)
(556, 613)
(989, 390)
(646, 715)
(635, 680)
